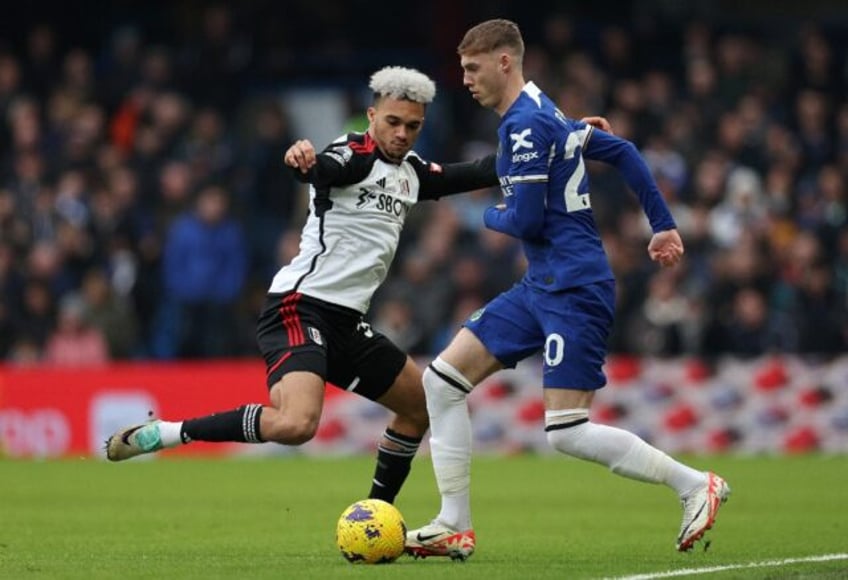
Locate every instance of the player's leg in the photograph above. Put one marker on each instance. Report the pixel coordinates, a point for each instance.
(297, 399)
(447, 382)
(571, 432)
(402, 437)
(575, 348)
(498, 336)
(296, 367)
(370, 365)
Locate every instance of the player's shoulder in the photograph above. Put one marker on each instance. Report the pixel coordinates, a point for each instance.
(414, 158)
(527, 122)
(421, 165)
(349, 146)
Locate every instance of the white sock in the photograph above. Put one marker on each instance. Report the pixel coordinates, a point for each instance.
(169, 432)
(450, 441)
(623, 452)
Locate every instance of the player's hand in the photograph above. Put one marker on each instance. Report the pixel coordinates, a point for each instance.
(666, 248)
(301, 155)
(599, 123)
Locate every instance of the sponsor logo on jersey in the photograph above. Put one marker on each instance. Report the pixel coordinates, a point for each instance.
(315, 335)
(524, 157)
(392, 205)
(519, 140)
(382, 202)
(475, 316)
(365, 197)
(435, 168)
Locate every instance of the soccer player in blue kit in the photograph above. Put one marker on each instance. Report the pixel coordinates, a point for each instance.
(563, 306)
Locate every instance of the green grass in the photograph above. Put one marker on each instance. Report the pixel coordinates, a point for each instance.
(535, 517)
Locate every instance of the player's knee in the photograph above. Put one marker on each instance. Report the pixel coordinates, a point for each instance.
(437, 388)
(415, 421)
(289, 430)
(567, 432)
(302, 431)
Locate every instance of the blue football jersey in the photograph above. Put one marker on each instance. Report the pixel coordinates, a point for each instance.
(543, 177)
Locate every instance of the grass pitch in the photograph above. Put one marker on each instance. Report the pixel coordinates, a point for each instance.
(535, 517)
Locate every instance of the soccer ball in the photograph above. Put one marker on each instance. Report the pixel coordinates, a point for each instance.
(371, 531)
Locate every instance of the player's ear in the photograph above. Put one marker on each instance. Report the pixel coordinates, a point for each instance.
(372, 114)
(505, 62)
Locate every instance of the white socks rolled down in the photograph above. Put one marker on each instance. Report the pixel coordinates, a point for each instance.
(450, 441)
(570, 432)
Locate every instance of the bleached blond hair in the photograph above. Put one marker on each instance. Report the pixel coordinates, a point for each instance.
(404, 84)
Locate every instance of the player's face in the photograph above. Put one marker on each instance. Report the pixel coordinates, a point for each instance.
(483, 74)
(395, 125)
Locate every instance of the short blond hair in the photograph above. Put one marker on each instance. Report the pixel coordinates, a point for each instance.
(491, 35)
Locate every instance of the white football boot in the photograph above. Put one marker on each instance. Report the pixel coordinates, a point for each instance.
(436, 539)
(700, 509)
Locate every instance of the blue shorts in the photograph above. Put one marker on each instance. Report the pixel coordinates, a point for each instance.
(571, 328)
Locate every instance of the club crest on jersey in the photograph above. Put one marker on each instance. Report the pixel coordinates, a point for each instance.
(315, 335)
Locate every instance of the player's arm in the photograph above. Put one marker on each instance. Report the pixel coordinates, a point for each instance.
(524, 218)
(526, 187)
(624, 156)
(665, 247)
(451, 178)
(330, 167)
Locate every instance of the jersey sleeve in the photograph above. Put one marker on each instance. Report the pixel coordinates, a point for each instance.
(529, 146)
(624, 156)
(335, 165)
(452, 178)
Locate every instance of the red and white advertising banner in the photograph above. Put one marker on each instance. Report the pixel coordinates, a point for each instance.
(768, 405)
(51, 411)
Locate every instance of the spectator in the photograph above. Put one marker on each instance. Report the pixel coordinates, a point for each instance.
(660, 328)
(744, 330)
(204, 269)
(110, 314)
(74, 342)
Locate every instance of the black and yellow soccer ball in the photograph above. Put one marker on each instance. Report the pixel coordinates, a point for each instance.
(371, 531)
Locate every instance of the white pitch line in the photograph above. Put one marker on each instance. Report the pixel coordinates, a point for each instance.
(711, 569)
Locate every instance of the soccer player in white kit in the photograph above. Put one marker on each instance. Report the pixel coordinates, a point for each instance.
(313, 328)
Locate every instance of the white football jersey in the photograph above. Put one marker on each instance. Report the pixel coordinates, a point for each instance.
(358, 203)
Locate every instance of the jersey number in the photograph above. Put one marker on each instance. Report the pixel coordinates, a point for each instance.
(554, 349)
(575, 201)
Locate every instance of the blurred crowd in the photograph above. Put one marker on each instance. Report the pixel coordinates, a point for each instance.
(144, 206)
